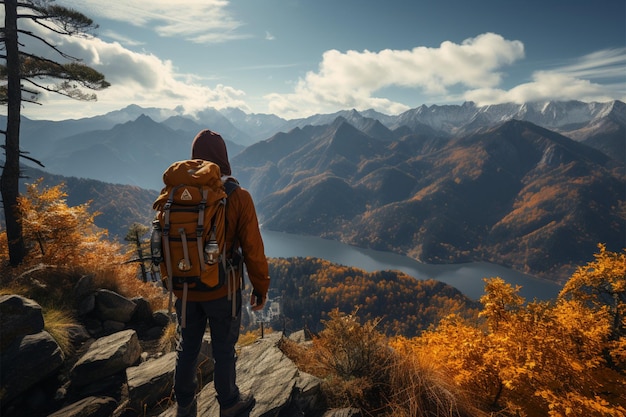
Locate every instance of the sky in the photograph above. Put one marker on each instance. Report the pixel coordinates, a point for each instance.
(296, 58)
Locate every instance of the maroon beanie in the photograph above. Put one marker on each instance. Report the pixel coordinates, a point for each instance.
(210, 146)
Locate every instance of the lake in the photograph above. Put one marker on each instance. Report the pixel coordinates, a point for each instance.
(467, 277)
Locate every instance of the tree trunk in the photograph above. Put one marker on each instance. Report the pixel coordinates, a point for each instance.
(9, 182)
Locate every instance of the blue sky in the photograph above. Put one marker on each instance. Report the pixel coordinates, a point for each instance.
(295, 58)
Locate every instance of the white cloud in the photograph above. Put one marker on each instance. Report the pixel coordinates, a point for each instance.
(121, 38)
(136, 78)
(350, 79)
(206, 21)
(570, 82)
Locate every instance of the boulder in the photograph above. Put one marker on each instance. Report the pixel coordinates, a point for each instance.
(106, 356)
(143, 312)
(28, 361)
(20, 317)
(112, 306)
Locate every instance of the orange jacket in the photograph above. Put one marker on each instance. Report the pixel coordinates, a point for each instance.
(242, 225)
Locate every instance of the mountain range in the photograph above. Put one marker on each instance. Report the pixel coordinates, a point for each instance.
(535, 187)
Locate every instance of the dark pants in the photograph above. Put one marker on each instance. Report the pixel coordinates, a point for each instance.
(224, 334)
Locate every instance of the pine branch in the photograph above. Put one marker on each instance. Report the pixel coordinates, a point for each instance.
(65, 89)
(47, 43)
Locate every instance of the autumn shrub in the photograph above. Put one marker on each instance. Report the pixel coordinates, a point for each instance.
(66, 246)
(531, 359)
(352, 359)
(361, 368)
(601, 284)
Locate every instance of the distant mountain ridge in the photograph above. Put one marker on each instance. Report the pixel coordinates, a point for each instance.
(534, 187)
(515, 194)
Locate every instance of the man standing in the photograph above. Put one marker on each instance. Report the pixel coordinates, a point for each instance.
(224, 317)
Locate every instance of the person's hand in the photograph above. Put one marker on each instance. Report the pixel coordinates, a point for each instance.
(257, 302)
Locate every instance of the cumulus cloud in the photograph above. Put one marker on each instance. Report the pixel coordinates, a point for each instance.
(136, 78)
(350, 79)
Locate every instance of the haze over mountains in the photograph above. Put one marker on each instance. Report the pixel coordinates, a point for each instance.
(533, 186)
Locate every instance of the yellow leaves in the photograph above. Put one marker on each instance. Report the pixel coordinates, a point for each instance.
(62, 235)
(539, 358)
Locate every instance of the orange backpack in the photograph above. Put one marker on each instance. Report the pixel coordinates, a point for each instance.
(188, 238)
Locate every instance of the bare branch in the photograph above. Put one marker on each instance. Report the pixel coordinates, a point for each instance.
(24, 154)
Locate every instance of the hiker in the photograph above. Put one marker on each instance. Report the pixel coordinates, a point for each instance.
(224, 317)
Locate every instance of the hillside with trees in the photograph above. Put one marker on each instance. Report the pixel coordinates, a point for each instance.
(513, 194)
(310, 288)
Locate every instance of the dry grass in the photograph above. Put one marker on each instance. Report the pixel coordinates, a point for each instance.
(57, 323)
(359, 369)
(421, 390)
(168, 340)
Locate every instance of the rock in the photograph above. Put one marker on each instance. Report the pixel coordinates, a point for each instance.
(152, 381)
(263, 370)
(87, 304)
(84, 287)
(309, 389)
(108, 379)
(153, 333)
(88, 407)
(78, 334)
(20, 317)
(28, 361)
(106, 356)
(112, 306)
(112, 326)
(143, 312)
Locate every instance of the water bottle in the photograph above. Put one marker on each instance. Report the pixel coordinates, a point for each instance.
(155, 243)
(211, 249)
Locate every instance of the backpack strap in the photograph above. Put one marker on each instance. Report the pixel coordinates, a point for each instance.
(166, 248)
(230, 185)
(200, 227)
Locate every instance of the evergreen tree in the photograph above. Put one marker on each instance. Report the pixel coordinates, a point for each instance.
(23, 76)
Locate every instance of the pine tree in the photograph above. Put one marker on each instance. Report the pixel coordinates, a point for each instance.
(24, 76)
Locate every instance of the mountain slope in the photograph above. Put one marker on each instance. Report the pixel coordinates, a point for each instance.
(516, 194)
(135, 153)
(119, 205)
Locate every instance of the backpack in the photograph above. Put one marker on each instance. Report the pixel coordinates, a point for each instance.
(189, 229)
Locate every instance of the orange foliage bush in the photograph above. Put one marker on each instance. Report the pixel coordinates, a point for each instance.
(534, 359)
(65, 245)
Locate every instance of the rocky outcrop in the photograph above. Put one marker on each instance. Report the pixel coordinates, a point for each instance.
(29, 353)
(118, 371)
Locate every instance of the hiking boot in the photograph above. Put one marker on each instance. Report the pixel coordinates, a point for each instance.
(245, 403)
(189, 411)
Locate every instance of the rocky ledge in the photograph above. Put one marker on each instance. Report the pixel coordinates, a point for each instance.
(117, 369)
